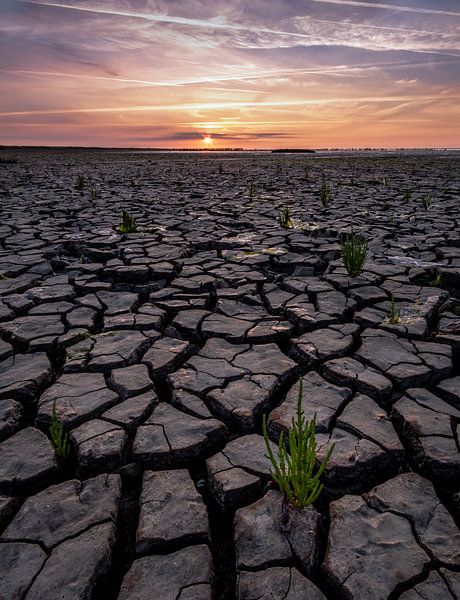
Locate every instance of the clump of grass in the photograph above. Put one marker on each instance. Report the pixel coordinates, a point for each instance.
(285, 218)
(252, 189)
(59, 438)
(325, 193)
(437, 281)
(407, 195)
(128, 223)
(293, 470)
(427, 201)
(94, 192)
(354, 252)
(394, 314)
(80, 183)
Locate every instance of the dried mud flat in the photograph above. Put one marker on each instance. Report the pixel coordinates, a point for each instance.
(162, 349)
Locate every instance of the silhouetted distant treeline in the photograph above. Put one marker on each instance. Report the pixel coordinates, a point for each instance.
(293, 151)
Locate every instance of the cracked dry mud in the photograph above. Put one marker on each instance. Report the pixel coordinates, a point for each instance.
(162, 350)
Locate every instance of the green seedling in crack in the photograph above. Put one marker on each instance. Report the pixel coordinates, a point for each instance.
(293, 468)
(59, 438)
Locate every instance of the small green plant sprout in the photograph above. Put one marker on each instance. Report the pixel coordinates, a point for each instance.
(128, 223)
(220, 168)
(59, 438)
(427, 201)
(407, 195)
(437, 281)
(394, 314)
(293, 470)
(354, 252)
(252, 189)
(325, 193)
(285, 218)
(93, 191)
(80, 183)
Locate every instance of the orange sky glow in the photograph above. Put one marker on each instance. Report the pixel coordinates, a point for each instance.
(254, 74)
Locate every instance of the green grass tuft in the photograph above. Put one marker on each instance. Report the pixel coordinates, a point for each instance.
(59, 438)
(293, 470)
(325, 192)
(427, 201)
(285, 218)
(128, 223)
(354, 252)
(393, 312)
(80, 183)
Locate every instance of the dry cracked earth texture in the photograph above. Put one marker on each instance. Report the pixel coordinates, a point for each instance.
(162, 350)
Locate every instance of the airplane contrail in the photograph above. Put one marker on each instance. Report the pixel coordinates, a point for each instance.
(224, 105)
(410, 9)
(328, 71)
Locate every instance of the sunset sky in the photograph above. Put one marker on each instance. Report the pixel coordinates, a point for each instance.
(252, 74)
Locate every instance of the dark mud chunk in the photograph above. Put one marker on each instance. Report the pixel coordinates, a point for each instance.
(352, 373)
(319, 398)
(65, 510)
(107, 351)
(77, 566)
(115, 303)
(130, 381)
(22, 376)
(75, 523)
(324, 344)
(406, 363)
(369, 553)
(366, 447)
(100, 446)
(450, 390)
(432, 588)
(78, 397)
(165, 355)
(172, 512)
(133, 411)
(19, 564)
(27, 461)
(182, 575)
(426, 422)
(239, 470)
(263, 538)
(414, 497)
(277, 583)
(173, 438)
(11, 414)
(25, 330)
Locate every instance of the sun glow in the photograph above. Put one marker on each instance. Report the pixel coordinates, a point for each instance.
(207, 140)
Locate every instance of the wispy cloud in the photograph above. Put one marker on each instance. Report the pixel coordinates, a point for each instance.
(223, 105)
(128, 71)
(311, 30)
(392, 7)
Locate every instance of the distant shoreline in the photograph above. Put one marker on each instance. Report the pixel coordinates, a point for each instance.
(208, 150)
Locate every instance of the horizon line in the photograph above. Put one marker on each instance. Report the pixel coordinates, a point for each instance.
(225, 148)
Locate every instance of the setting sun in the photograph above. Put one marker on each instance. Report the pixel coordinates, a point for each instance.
(314, 74)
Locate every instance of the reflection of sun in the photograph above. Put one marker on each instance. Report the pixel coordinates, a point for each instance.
(207, 140)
